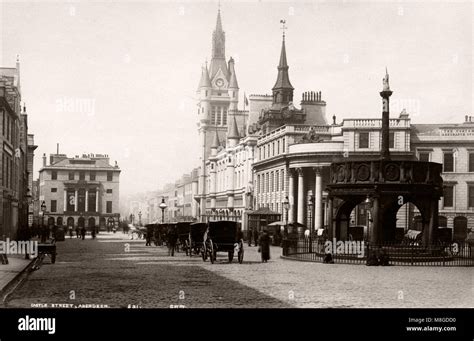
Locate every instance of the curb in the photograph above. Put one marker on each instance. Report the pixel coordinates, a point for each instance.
(15, 282)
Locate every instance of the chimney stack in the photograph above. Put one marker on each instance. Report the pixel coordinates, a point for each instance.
(44, 159)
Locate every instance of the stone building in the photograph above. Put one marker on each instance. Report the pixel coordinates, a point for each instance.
(80, 191)
(218, 94)
(453, 146)
(15, 152)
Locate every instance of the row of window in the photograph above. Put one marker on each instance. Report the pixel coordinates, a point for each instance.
(80, 205)
(54, 190)
(364, 140)
(9, 128)
(219, 115)
(448, 196)
(448, 160)
(271, 182)
(9, 171)
(82, 175)
(271, 149)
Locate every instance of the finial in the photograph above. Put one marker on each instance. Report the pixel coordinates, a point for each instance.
(17, 58)
(283, 27)
(386, 86)
(219, 5)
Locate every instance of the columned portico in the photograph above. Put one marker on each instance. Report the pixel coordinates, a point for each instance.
(318, 192)
(301, 204)
(75, 200)
(291, 196)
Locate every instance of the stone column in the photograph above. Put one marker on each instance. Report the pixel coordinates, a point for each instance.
(97, 200)
(331, 230)
(75, 200)
(300, 217)
(87, 200)
(65, 200)
(318, 199)
(374, 231)
(291, 198)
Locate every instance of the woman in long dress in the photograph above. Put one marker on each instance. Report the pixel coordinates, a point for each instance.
(264, 244)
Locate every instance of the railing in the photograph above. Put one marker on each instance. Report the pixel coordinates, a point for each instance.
(375, 123)
(364, 253)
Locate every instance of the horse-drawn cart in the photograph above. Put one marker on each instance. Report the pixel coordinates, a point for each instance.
(224, 236)
(46, 249)
(196, 239)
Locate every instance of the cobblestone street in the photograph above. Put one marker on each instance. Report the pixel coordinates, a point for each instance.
(105, 272)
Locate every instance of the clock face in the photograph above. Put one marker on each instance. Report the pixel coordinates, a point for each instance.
(219, 82)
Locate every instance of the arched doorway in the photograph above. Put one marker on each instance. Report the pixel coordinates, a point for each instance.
(70, 221)
(50, 221)
(81, 222)
(59, 221)
(91, 223)
(460, 228)
(442, 221)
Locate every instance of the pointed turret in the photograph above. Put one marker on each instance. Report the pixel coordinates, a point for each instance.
(218, 49)
(282, 90)
(232, 77)
(215, 142)
(283, 80)
(233, 135)
(205, 81)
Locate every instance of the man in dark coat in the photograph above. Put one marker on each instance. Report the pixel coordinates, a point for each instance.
(83, 233)
(255, 237)
(249, 236)
(264, 242)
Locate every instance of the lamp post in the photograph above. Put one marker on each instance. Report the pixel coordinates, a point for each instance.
(140, 218)
(163, 206)
(310, 206)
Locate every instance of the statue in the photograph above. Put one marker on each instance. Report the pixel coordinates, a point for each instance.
(386, 86)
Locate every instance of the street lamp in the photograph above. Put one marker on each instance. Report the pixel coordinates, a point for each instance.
(163, 206)
(140, 218)
(310, 206)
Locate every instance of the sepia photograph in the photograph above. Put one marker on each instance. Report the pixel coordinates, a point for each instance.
(237, 154)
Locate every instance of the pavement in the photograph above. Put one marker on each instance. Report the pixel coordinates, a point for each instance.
(118, 272)
(17, 264)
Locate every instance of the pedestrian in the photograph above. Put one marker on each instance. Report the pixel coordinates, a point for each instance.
(78, 232)
(255, 237)
(70, 231)
(172, 240)
(83, 232)
(249, 236)
(264, 246)
(93, 232)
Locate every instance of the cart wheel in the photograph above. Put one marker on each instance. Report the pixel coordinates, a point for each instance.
(53, 258)
(212, 253)
(231, 256)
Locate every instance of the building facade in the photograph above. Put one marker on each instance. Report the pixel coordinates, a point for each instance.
(218, 94)
(453, 146)
(80, 191)
(14, 176)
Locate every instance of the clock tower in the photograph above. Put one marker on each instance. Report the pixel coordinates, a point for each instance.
(218, 94)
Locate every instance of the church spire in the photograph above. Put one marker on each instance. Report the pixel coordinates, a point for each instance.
(282, 90)
(233, 130)
(218, 49)
(283, 79)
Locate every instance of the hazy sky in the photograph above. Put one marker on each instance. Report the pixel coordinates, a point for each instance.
(120, 78)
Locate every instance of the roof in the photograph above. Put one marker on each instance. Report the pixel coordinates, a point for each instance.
(233, 131)
(264, 211)
(283, 80)
(83, 163)
(205, 80)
